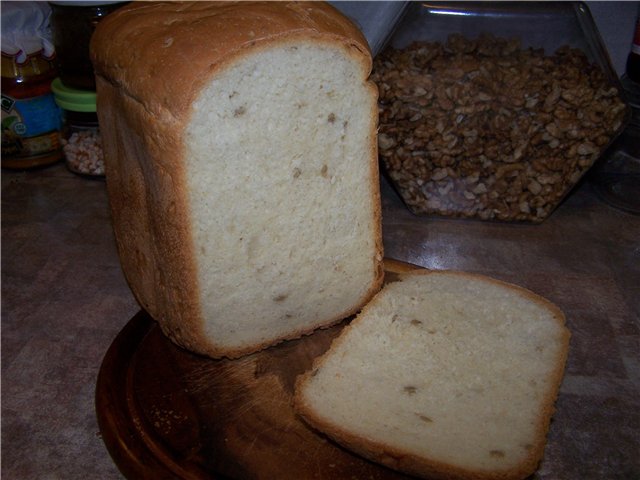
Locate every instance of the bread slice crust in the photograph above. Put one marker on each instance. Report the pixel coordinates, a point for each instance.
(378, 449)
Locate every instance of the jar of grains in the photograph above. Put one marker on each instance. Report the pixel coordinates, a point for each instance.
(82, 143)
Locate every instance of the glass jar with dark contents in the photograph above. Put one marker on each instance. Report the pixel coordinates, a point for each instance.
(72, 24)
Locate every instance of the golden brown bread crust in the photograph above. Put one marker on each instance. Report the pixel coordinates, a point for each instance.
(162, 53)
(151, 61)
(152, 246)
(425, 468)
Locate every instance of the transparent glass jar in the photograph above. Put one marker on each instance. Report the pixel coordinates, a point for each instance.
(494, 110)
(82, 142)
(30, 118)
(72, 24)
(616, 177)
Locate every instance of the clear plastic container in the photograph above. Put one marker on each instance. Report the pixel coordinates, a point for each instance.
(82, 142)
(498, 110)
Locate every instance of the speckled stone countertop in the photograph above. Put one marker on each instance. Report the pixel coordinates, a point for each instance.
(64, 299)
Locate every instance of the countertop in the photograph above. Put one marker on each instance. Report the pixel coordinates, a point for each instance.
(64, 299)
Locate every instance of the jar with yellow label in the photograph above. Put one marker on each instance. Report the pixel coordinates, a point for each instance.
(31, 120)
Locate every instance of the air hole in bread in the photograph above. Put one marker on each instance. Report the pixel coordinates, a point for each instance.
(391, 277)
(424, 418)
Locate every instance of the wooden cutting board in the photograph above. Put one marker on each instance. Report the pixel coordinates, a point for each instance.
(166, 413)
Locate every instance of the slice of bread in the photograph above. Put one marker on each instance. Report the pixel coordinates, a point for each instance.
(442, 375)
(241, 164)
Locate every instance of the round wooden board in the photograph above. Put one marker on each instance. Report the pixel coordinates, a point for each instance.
(166, 413)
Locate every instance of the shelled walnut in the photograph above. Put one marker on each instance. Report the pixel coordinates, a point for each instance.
(484, 128)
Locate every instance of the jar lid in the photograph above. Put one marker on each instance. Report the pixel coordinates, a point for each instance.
(72, 98)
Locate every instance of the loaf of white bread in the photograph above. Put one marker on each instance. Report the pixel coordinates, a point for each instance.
(443, 375)
(241, 167)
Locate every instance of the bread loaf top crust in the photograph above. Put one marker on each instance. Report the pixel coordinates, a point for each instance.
(176, 41)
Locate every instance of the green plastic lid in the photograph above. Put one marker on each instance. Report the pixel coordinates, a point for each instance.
(72, 98)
